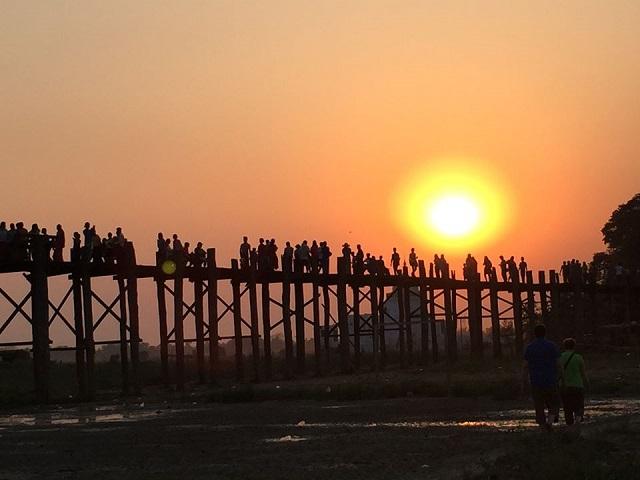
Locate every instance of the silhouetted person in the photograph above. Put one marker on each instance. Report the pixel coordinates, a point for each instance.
(287, 258)
(59, 244)
(76, 249)
(96, 247)
(574, 381)
(522, 266)
(177, 249)
(245, 252)
(513, 269)
(347, 254)
(326, 257)
(382, 268)
(488, 268)
(253, 258)
(199, 256)
(413, 261)
(88, 240)
(358, 260)
(564, 271)
(437, 264)
(444, 266)
(305, 256)
(273, 255)
(315, 255)
(262, 255)
(504, 267)
(4, 242)
(541, 365)
(395, 261)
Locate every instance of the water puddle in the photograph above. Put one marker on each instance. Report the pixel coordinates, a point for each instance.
(67, 417)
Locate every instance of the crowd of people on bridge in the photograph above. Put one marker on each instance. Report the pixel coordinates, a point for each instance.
(17, 244)
(173, 249)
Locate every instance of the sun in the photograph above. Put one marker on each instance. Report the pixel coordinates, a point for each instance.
(454, 215)
(453, 205)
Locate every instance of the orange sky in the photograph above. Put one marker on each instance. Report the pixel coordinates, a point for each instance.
(297, 120)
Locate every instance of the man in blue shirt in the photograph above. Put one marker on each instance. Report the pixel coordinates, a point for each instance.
(541, 363)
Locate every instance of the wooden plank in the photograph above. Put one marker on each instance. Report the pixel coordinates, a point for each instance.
(317, 331)
(81, 374)
(432, 316)
(237, 320)
(326, 302)
(495, 318)
(424, 314)
(124, 346)
(134, 320)
(89, 345)
(162, 321)
(198, 300)
(298, 291)
(356, 326)
(343, 323)
(178, 320)
(286, 324)
(544, 304)
(517, 316)
(266, 329)
(451, 343)
(255, 333)
(408, 320)
(212, 312)
(40, 319)
(531, 305)
(375, 321)
(382, 317)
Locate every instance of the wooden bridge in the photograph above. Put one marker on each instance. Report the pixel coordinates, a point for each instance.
(411, 319)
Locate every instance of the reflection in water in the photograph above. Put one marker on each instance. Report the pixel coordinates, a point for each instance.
(74, 416)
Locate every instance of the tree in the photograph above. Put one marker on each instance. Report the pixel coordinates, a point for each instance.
(622, 234)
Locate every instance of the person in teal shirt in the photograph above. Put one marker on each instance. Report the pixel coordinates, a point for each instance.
(574, 380)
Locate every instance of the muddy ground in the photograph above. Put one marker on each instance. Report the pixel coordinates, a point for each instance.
(415, 437)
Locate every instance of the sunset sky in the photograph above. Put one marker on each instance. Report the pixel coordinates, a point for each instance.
(295, 119)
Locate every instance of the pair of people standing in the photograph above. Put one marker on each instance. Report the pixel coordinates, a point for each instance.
(545, 367)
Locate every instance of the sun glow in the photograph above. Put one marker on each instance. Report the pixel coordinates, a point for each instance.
(453, 206)
(454, 216)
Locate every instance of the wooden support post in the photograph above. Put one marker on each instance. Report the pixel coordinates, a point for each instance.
(40, 318)
(356, 325)
(237, 319)
(178, 320)
(255, 333)
(212, 311)
(343, 322)
(162, 321)
(454, 315)
(578, 309)
(544, 305)
(317, 331)
(399, 294)
(474, 300)
(517, 315)
(424, 314)
(79, 328)
(531, 305)
(375, 321)
(450, 323)
(134, 320)
(298, 292)
(554, 293)
(326, 301)
(266, 328)
(89, 345)
(198, 300)
(382, 317)
(124, 345)
(495, 317)
(286, 324)
(432, 316)
(408, 320)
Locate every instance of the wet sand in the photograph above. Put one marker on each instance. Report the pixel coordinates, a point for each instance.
(399, 438)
